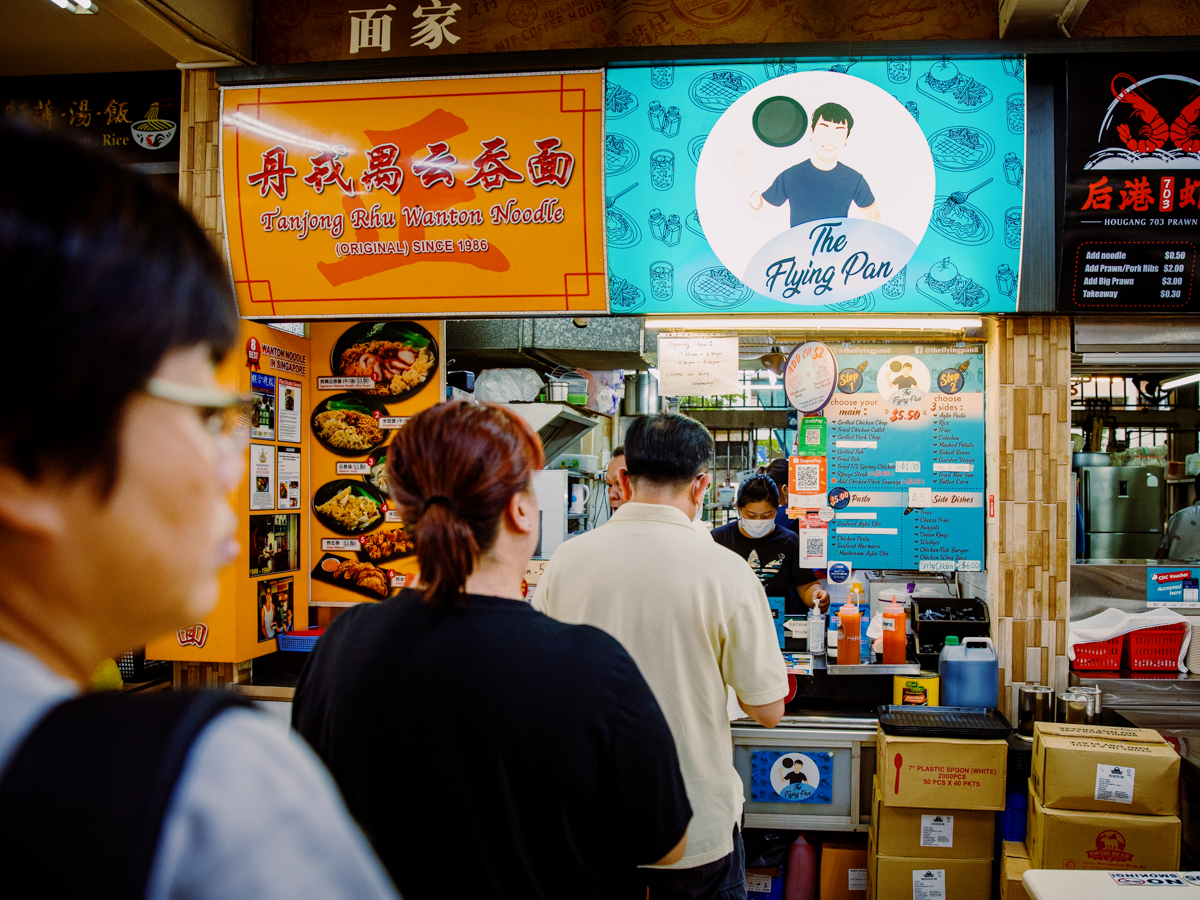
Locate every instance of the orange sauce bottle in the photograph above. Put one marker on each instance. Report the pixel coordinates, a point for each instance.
(895, 638)
(849, 636)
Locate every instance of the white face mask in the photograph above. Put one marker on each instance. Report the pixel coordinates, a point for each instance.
(757, 528)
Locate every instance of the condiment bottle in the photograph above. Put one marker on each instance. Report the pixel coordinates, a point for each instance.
(895, 638)
(657, 115)
(849, 634)
(658, 224)
(800, 879)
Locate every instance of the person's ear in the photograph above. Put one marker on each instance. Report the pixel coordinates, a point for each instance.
(522, 512)
(29, 507)
(626, 484)
(705, 481)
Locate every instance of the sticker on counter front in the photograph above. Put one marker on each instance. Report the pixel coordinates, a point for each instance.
(929, 884)
(758, 884)
(791, 776)
(290, 411)
(262, 408)
(340, 544)
(262, 476)
(353, 468)
(1167, 879)
(857, 879)
(391, 423)
(838, 572)
(1114, 783)
(327, 383)
(936, 830)
(1172, 587)
(288, 475)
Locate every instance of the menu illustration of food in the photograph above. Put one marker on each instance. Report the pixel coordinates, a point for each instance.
(847, 185)
(905, 457)
(371, 377)
(1131, 212)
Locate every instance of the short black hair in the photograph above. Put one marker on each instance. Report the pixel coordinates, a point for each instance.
(104, 273)
(756, 488)
(667, 449)
(618, 450)
(834, 114)
(778, 471)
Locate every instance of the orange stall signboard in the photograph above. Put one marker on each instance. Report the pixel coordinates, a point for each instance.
(450, 196)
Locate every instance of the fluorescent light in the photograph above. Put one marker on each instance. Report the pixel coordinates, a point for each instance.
(809, 323)
(1141, 359)
(61, 4)
(1180, 382)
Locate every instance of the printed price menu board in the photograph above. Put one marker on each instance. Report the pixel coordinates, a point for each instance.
(1132, 215)
(906, 444)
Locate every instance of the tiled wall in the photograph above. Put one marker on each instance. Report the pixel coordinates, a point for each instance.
(1029, 470)
(199, 157)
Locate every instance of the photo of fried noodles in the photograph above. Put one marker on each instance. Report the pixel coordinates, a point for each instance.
(393, 366)
(348, 430)
(352, 511)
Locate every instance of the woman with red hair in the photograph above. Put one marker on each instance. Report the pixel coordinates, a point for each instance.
(486, 749)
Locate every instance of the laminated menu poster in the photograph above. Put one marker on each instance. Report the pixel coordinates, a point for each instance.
(1132, 205)
(371, 377)
(791, 776)
(849, 185)
(906, 457)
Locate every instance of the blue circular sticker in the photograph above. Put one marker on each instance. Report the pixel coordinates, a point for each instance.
(839, 498)
(838, 573)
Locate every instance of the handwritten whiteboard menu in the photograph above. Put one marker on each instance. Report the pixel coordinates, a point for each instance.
(697, 366)
(906, 440)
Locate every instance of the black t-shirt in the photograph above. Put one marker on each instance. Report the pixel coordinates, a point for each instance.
(818, 193)
(904, 381)
(490, 751)
(775, 559)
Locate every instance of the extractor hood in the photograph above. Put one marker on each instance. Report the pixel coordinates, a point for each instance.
(558, 424)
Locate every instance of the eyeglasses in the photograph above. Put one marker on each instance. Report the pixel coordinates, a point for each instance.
(223, 412)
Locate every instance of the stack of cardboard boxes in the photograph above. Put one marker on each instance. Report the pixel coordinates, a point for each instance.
(1102, 798)
(933, 817)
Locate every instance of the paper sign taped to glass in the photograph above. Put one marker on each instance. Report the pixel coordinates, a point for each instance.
(867, 185)
(791, 776)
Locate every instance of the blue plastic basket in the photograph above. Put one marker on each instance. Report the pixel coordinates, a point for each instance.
(299, 641)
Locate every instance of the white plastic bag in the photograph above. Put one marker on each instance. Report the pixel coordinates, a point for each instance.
(508, 385)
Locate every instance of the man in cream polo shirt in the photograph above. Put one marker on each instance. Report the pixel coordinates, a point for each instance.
(694, 617)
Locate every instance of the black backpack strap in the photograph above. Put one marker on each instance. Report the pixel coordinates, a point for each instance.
(83, 799)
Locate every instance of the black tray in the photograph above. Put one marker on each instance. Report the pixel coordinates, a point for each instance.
(944, 721)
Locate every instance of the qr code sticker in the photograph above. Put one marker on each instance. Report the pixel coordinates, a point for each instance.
(814, 547)
(808, 478)
(812, 437)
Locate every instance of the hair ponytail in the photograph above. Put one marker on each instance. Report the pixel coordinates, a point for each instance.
(452, 470)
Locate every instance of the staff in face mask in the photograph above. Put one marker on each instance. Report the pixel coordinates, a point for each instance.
(773, 552)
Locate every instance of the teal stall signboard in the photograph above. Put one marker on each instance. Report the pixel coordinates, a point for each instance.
(822, 185)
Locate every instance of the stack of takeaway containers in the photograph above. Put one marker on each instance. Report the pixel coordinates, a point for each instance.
(934, 817)
(1102, 798)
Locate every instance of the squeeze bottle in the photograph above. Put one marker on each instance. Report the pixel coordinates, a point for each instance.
(895, 639)
(816, 630)
(800, 882)
(849, 635)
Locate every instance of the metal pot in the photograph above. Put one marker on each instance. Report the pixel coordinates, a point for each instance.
(1079, 460)
(641, 394)
(556, 391)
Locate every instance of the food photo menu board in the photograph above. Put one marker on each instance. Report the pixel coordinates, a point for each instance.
(848, 185)
(370, 378)
(1131, 207)
(905, 451)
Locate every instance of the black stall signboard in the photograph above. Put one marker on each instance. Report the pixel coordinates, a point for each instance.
(1131, 222)
(136, 114)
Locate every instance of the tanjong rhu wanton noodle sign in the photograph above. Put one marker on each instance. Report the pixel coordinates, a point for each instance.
(401, 198)
(850, 185)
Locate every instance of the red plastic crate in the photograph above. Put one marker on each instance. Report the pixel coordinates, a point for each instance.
(1151, 649)
(1102, 655)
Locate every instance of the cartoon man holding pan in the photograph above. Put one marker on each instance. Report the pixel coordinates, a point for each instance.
(821, 187)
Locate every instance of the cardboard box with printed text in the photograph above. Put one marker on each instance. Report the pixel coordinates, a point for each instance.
(1075, 839)
(941, 773)
(1131, 771)
(906, 878)
(1014, 860)
(843, 871)
(931, 833)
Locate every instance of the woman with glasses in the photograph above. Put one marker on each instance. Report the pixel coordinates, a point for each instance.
(773, 552)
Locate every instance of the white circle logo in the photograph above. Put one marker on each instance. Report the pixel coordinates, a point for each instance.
(795, 777)
(830, 216)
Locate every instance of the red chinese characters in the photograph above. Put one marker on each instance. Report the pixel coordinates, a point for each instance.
(1099, 195)
(1138, 194)
(491, 170)
(435, 167)
(1187, 193)
(382, 171)
(550, 165)
(274, 174)
(327, 169)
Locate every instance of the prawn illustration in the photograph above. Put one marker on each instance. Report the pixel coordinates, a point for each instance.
(1154, 133)
(1184, 131)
